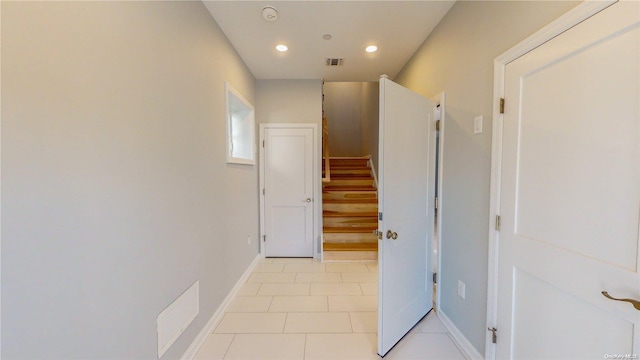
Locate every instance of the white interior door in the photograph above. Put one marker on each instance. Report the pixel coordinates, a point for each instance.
(570, 194)
(405, 277)
(288, 191)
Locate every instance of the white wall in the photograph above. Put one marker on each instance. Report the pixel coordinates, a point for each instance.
(289, 101)
(115, 192)
(293, 101)
(458, 58)
(370, 120)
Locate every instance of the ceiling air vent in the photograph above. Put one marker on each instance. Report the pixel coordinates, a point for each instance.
(335, 61)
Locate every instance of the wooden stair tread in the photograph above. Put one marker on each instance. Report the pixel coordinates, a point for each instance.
(350, 211)
(348, 214)
(350, 246)
(346, 169)
(352, 176)
(355, 160)
(362, 230)
(367, 157)
(348, 166)
(348, 159)
(351, 201)
(351, 182)
(351, 163)
(347, 194)
(348, 188)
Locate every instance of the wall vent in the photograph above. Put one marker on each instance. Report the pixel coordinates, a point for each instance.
(335, 61)
(173, 320)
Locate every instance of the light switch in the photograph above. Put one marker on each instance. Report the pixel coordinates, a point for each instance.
(477, 124)
(461, 289)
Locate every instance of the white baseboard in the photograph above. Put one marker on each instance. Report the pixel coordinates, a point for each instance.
(461, 340)
(217, 315)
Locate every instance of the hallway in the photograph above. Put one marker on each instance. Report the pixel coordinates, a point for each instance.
(303, 309)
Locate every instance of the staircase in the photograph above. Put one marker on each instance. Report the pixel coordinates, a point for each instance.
(350, 211)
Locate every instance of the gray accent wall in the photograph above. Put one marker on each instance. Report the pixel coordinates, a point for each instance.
(116, 196)
(343, 110)
(351, 109)
(457, 58)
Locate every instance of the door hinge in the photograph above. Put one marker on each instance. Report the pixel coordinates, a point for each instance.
(498, 223)
(435, 278)
(264, 238)
(436, 204)
(380, 216)
(262, 191)
(494, 334)
(262, 143)
(501, 105)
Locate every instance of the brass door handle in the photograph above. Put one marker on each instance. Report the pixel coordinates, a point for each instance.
(307, 200)
(635, 303)
(392, 235)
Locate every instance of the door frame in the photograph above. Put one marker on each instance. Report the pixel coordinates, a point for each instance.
(573, 17)
(439, 99)
(317, 203)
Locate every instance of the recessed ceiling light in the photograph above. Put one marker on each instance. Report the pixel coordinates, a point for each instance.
(327, 36)
(371, 48)
(282, 47)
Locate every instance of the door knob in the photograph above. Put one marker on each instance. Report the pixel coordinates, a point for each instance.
(392, 235)
(635, 303)
(307, 200)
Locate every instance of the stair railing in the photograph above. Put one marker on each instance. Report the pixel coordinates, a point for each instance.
(326, 168)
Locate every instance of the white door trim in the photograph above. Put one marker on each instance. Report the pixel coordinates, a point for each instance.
(565, 22)
(440, 99)
(317, 204)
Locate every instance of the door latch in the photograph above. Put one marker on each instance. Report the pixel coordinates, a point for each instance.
(494, 334)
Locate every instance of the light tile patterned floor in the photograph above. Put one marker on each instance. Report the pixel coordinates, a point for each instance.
(304, 309)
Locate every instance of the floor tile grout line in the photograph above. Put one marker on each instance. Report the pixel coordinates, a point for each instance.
(284, 325)
(304, 349)
(327, 302)
(229, 346)
(270, 303)
(458, 347)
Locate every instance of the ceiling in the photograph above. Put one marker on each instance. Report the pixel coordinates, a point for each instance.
(398, 28)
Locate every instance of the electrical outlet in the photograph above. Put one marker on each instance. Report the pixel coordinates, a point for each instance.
(461, 291)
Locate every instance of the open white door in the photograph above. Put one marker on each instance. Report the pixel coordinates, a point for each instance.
(288, 192)
(570, 194)
(406, 223)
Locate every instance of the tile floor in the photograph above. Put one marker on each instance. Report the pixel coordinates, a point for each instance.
(304, 309)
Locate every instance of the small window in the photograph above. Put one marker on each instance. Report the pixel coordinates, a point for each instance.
(240, 128)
